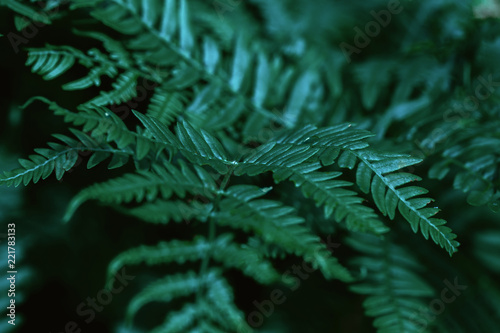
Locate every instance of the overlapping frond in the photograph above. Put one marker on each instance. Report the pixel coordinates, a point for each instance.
(166, 106)
(476, 165)
(148, 185)
(379, 174)
(299, 161)
(163, 30)
(63, 156)
(52, 61)
(198, 146)
(376, 173)
(124, 89)
(100, 122)
(395, 293)
(219, 297)
(25, 10)
(231, 98)
(162, 211)
(277, 224)
(167, 289)
(225, 251)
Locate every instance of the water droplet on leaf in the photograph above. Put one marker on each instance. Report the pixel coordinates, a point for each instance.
(494, 206)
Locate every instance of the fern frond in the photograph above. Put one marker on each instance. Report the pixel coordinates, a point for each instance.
(296, 157)
(103, 124)
(60, 158)
(166, 31)
(219, 296)
(302, 90)
(164, 181)
(197, 146)
(93, 78)
(374, 76)
(115, 48)
(342, 203)
(51, 61)
(99, 121)
(116, 17)
(276, 223)
(201, 312)
(25, 10)
(477, 169)
(180, 321)
(377, 173)
(224, 250)
(167, 289)
(205, 98)
(124, 89)
(166, 106)
(395, 292)
(216, 115)
(231, 97)
(162, 212)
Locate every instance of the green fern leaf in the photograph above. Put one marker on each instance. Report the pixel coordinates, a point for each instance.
(115, 48)
(203, 314)
(180, 321)
(223, 248)
(167, 181)
(52, 62)
(162, 212)
(117, 17)
(124, 90)
(373, 76)
(170, 39)
(166, 106)
(388, 194)
(296, 157)
(92, 79)
(204, 100)
(396, 292)
(167, 289)
(299, 95)
(219, 295)
(197, 146)
(25, 10)
(476, 164)
(186, 35)
(99, 121)
(294, 153)
(59, 159)
(277, 224)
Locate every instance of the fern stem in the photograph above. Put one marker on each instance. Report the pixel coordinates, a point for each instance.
(212, 231)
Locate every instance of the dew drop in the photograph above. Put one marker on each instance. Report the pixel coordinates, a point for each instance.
(494, 206)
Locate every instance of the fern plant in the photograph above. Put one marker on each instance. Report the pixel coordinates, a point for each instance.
(258, 142)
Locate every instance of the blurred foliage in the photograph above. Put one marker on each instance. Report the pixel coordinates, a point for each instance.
(252, 165)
